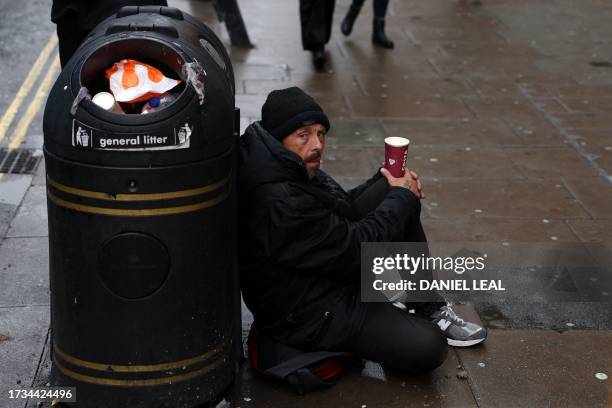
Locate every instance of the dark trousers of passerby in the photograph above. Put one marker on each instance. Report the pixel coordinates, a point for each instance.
(316, 18)
(380, 7)
(76, 18)
(382, 332)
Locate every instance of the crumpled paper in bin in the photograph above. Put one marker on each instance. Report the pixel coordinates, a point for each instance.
(134, 81)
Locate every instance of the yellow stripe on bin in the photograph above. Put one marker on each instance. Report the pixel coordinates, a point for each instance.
(138, 382)
(120, 212)
(138, 197)
(123, 368)
(22, 127)
(28, 82)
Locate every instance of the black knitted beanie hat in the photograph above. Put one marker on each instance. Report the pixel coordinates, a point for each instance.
(286, 110)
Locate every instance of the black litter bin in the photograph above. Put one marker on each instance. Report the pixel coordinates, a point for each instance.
(145, 306)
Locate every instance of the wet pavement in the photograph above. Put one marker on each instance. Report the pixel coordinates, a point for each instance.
(508, 105)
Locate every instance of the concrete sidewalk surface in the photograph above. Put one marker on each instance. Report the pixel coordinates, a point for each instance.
(508, 106)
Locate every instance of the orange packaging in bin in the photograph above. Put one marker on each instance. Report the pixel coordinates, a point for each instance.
(133, 81)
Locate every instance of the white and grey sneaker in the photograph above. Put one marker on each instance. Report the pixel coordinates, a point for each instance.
(458, 332)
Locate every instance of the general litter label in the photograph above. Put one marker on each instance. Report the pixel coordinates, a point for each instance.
(85, 137)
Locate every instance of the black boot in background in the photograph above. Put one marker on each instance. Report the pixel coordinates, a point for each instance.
(378, 34)
(347, 24)
(318, 57)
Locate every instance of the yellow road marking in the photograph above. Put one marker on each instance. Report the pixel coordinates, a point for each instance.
(27, 84)
(22, 127)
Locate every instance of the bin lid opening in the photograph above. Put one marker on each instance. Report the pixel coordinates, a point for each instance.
(146, 50)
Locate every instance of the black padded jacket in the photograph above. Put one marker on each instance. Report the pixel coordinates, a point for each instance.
(300, 238)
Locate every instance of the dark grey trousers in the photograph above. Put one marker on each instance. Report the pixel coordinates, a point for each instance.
(382, 332)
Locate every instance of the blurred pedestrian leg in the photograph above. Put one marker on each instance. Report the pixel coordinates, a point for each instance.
(379, 37)
(76, 18)
(316, 18)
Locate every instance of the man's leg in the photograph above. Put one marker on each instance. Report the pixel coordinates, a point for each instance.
(380, 8)
(70, 36)
(378, 35)
(347, 23)
(371, 198)
(75, 19)
(385, 334)
(316, 19)
(459, 332)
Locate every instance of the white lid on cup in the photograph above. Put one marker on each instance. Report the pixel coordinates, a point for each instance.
(397, 141)
(105, 100)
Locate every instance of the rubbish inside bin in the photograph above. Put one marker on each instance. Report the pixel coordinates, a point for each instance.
(160, 56)
(158, 102)
(133, 81)
(107, 101)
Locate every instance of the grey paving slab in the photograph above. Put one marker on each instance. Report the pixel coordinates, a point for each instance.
(585, 121)
(437, 29)
(23, 331)
(550, 106)
(517, 109)
(390, 85)
(602, 158)
(43, 375)
(372, 387)
(582, 91)
(364, 57)
(465, 132)
(6, 216)
(588, 104)
(463, 163)
(599, 230)
(496, 230)
(312, 83)
(474, 49)
(552, 164)
(24, 272)
(538, 133)
(13, 187)
(356, 133)
(594, 195)
(40, 175)
(401, 106)
(545, 368)
(540, 315)
(257, 72)
(491, 66)
(250, 105)
(352, 162)
(504, 199)
(335, 106)
(31, 219)
(260, 55)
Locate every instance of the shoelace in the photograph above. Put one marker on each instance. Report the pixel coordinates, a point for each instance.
(450, 315)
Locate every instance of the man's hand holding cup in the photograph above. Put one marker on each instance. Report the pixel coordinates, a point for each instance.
(396, 152)
(409, 180)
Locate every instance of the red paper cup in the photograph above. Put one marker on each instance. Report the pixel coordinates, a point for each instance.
(396, 151)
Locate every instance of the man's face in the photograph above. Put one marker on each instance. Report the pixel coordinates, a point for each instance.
(308, 142)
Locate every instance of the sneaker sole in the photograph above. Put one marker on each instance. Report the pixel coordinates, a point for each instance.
(464, 343)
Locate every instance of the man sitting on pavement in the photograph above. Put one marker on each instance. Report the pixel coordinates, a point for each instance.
(300, 240)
